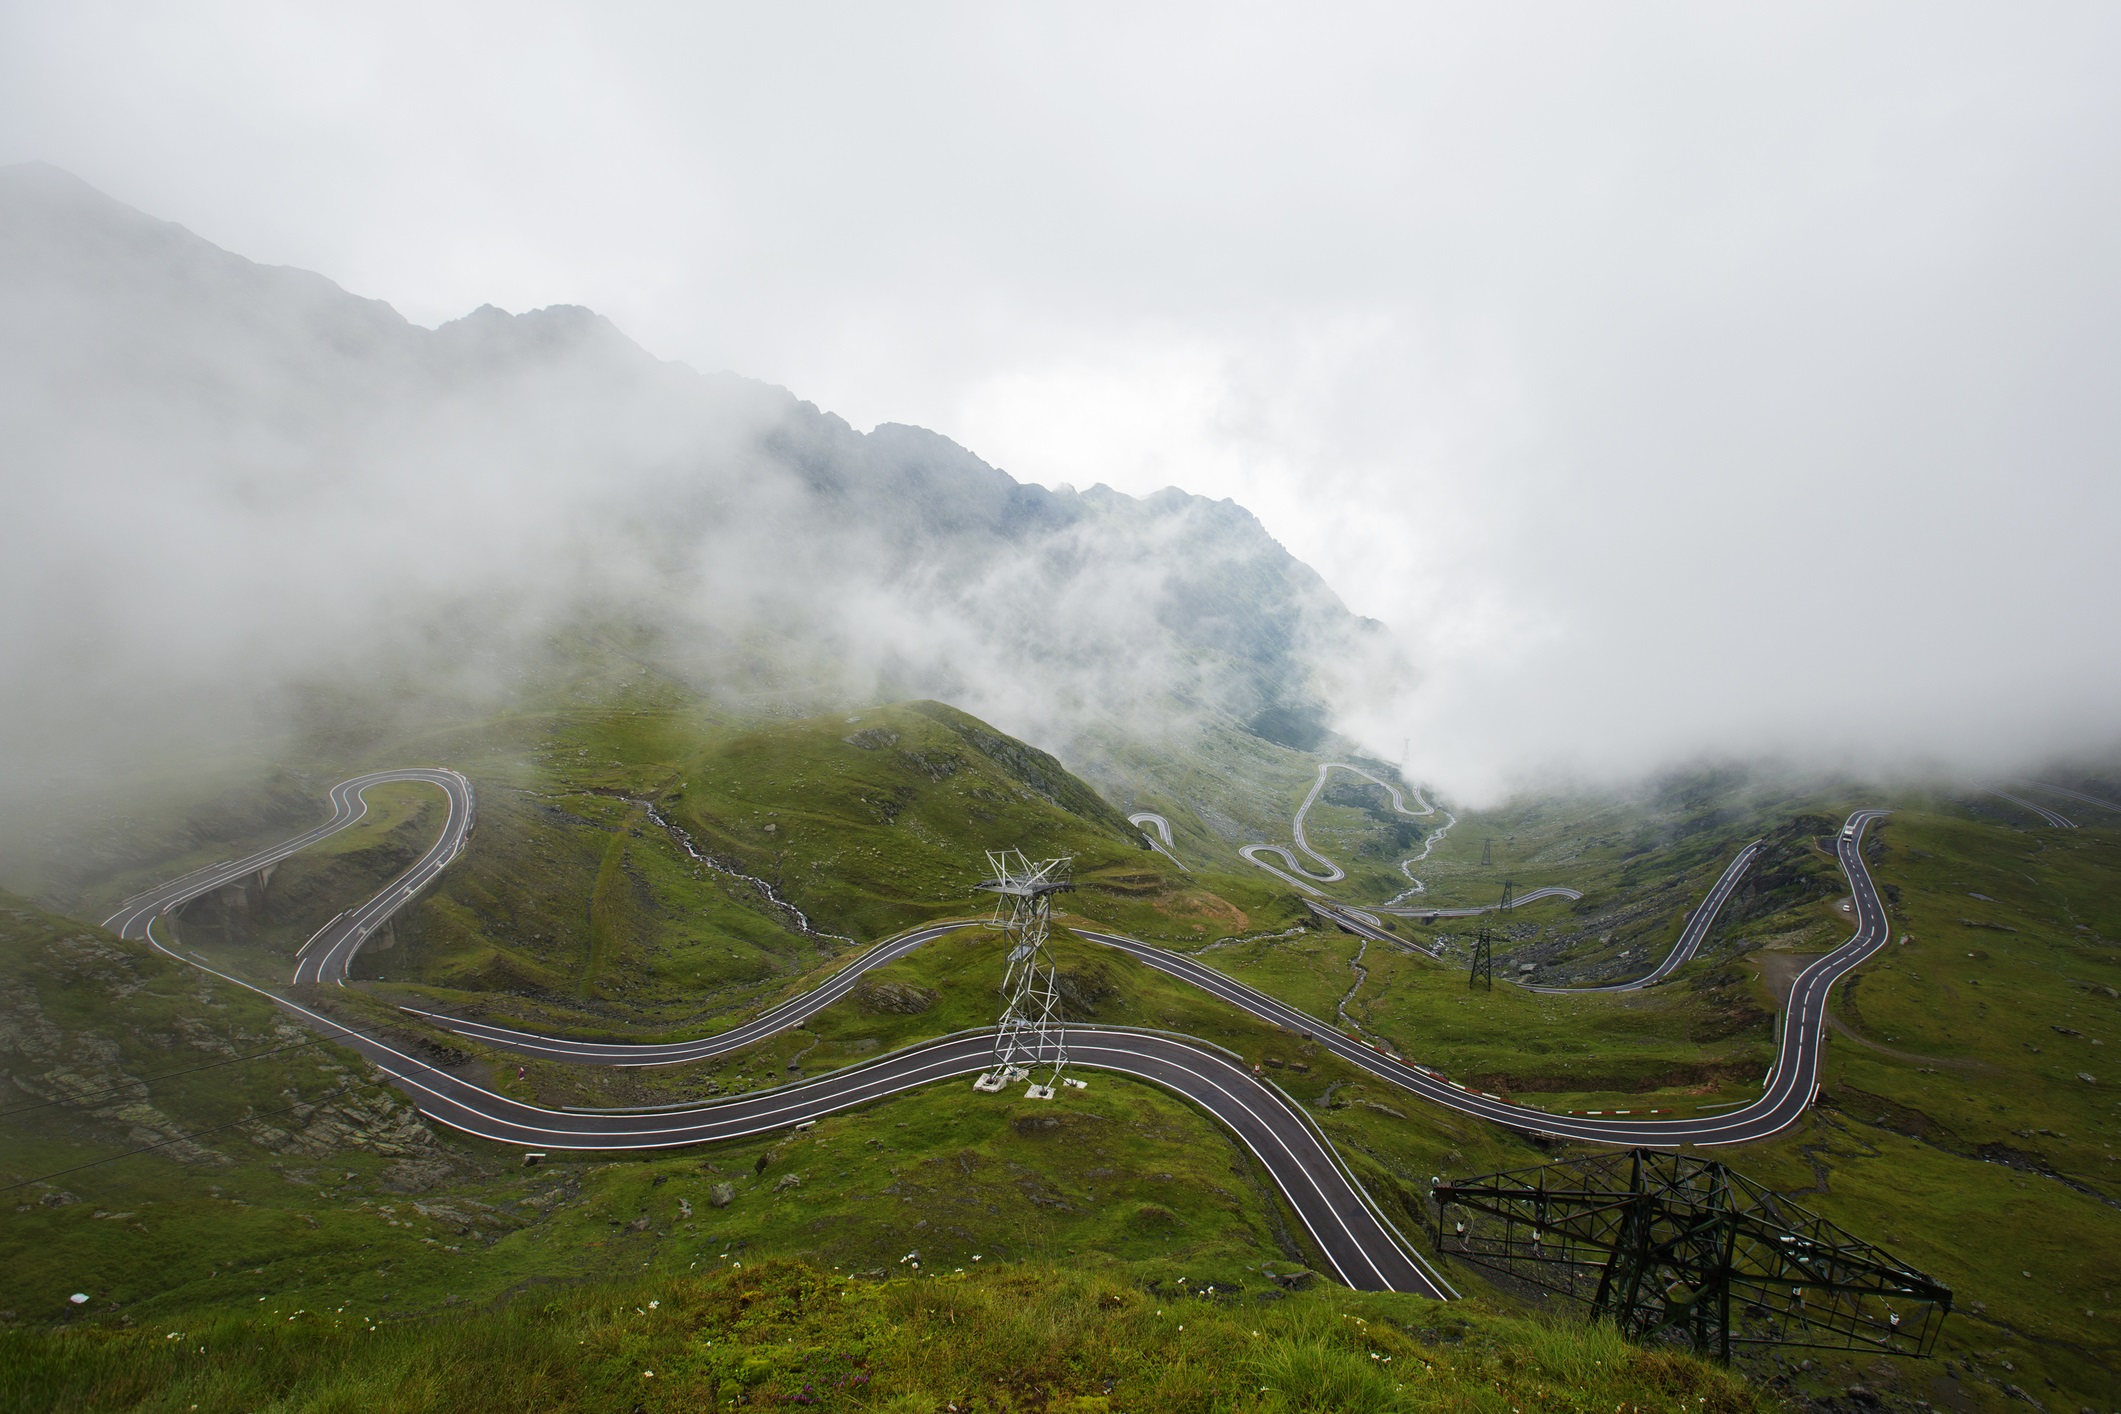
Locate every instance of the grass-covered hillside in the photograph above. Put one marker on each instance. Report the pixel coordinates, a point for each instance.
(646, 866)
(313, 1244)
(874, 820)
(774, 1334)
(1967, 1122)
(649, 872)
(1968, 1119)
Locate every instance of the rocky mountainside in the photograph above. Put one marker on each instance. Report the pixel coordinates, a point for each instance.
(225, 477)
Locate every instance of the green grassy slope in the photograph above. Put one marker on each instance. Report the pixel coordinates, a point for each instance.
(1957, 1126)
(871, 821)
(1219, 786)
(342, 1255)
(256, 1135)
(1956, 1123)
(650, 872)
(309, 1186)
(574, 908)
(772, 1334)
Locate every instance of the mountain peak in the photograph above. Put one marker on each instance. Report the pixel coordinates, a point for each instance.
(43, 205)
(491, 332)
(573, 468)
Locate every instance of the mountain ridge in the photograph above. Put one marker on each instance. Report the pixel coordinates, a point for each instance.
(280, 457)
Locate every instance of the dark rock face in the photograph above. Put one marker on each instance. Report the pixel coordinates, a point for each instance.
(898, 998)
(90, 1060)
(1083, 988)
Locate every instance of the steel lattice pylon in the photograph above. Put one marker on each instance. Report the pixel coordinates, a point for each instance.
(1029, 1035)
(1483, 973)
(1668, 1243)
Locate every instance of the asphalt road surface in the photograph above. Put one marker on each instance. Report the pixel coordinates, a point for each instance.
(1303, 878)
(1697, 928)
(1354, 1233)
(331, 950)
(2046, 815)
(1160, 841)
(1529, 896)
(1365, 923)
(1790, 1086)
(2102, 803)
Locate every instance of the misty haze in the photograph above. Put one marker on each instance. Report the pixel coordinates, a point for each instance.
(1066, 710)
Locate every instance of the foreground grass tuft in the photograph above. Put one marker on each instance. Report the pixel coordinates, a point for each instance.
(784, 1333)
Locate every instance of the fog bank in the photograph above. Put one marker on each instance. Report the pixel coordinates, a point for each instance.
(1671, 379)
(238, 494)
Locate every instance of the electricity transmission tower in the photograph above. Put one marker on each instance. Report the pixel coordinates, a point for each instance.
(1029, 1034)
(1483, 973)
(1487, 851)
(1674, 1247)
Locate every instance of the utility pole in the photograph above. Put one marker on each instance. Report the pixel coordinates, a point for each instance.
(1483, 973)
(1029, 1034)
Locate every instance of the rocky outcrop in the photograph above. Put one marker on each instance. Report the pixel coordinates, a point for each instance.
(110, 1033)
(897, 998)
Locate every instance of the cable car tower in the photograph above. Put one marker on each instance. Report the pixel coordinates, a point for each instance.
(1029, 1035)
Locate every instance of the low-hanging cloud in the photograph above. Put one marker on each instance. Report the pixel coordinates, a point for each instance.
(239, 491)
(1670, 382)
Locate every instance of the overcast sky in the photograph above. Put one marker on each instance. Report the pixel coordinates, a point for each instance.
(1675, 379)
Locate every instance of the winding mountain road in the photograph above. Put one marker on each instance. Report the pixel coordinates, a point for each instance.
(2078, 795)
(1529, 896)
(1354, 1233)
(1365, 923)
(1357, 920)
(330, 951)
(1148, 821)
(1697, 928)
(1791, 1083)
(1308, 881)
(2047, 817)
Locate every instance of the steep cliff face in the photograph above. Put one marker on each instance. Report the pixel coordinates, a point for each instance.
(222, 470)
